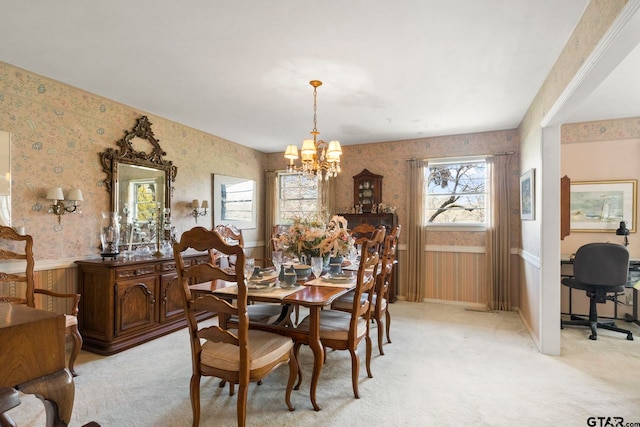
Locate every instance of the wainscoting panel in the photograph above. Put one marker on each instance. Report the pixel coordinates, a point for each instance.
(456, 276)
(61, 280)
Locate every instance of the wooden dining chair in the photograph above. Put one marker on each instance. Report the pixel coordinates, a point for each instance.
(233, 236)
(19, 288)
(362, 232)
(380, 304)
(379, 243)
(341, 330)
(262, 312)
(237, 355)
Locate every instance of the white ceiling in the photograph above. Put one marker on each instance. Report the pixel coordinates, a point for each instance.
(392, 69)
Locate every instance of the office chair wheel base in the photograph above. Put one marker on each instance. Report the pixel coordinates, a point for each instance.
(629, 336)
(593, 337)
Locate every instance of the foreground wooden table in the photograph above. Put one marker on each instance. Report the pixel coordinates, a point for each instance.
(32, 358)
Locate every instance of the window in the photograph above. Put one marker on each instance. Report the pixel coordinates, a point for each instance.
(457, 191)
(297, 196)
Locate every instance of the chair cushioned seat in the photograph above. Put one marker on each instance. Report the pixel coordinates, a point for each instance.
(568, 281)
(264, 349)
(261, 313)
(334, 324)
(345, 302)
(70, 320)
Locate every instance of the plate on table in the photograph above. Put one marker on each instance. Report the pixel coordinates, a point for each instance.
(260, 285)
(339, 278)
(264, 276)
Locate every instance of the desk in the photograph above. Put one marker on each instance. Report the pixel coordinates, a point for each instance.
(312, 297)
(32, 359)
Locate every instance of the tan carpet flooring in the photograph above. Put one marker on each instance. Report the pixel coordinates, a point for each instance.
(447, 366)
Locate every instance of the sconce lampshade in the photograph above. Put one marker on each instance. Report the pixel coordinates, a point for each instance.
(55, 194)
(205, 204)
(75, 194)
(195, 204)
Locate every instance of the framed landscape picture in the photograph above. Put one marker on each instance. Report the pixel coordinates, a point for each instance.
(599, 206)
(527, 195)
(234, 201)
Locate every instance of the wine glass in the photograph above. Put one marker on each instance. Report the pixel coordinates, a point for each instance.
(249, 263)
(316, 266)
(276, 259)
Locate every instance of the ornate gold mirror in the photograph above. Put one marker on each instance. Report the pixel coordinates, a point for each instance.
(140, 182)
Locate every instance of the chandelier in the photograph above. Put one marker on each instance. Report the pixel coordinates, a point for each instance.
(318, 158)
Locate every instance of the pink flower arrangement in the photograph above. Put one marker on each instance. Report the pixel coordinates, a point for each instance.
(311, 237)
(337, 241)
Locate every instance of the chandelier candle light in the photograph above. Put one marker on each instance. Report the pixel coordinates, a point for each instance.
(319, 158)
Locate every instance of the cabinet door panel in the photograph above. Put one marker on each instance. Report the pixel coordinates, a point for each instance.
(135, 305)
(172, 305)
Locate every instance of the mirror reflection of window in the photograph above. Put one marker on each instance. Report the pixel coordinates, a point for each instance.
(144, 203)
(5, 178)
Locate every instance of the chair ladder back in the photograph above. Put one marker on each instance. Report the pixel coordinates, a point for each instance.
(362, 232)
(230, 233)
(203, 240)
(369, 260)
(10, 242)
(389, 256)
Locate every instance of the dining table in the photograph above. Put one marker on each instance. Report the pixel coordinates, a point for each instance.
(32, 359)
(314, 295)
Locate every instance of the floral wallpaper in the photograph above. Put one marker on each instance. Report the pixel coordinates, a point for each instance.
(602, 130)
(57, 134)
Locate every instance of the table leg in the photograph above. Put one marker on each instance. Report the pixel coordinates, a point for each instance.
(318, 354)
(56, 391)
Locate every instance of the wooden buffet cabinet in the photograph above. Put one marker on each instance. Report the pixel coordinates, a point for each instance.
(126, 303)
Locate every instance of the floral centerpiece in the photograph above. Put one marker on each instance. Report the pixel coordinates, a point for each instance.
(338, 241)
(311, 237)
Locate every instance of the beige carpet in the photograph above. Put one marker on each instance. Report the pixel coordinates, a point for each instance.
(447, 366)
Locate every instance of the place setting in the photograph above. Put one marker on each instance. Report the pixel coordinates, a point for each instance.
(336, 276)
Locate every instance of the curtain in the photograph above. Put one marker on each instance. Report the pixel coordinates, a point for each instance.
(416, 268)
(498, 239)
(327, 196)
(271, 203)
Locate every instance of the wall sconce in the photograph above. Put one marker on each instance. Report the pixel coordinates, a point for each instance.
(58, 207)
(199, 209)
(623, 231)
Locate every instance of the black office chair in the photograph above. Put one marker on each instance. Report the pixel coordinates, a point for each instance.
(600, 269)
